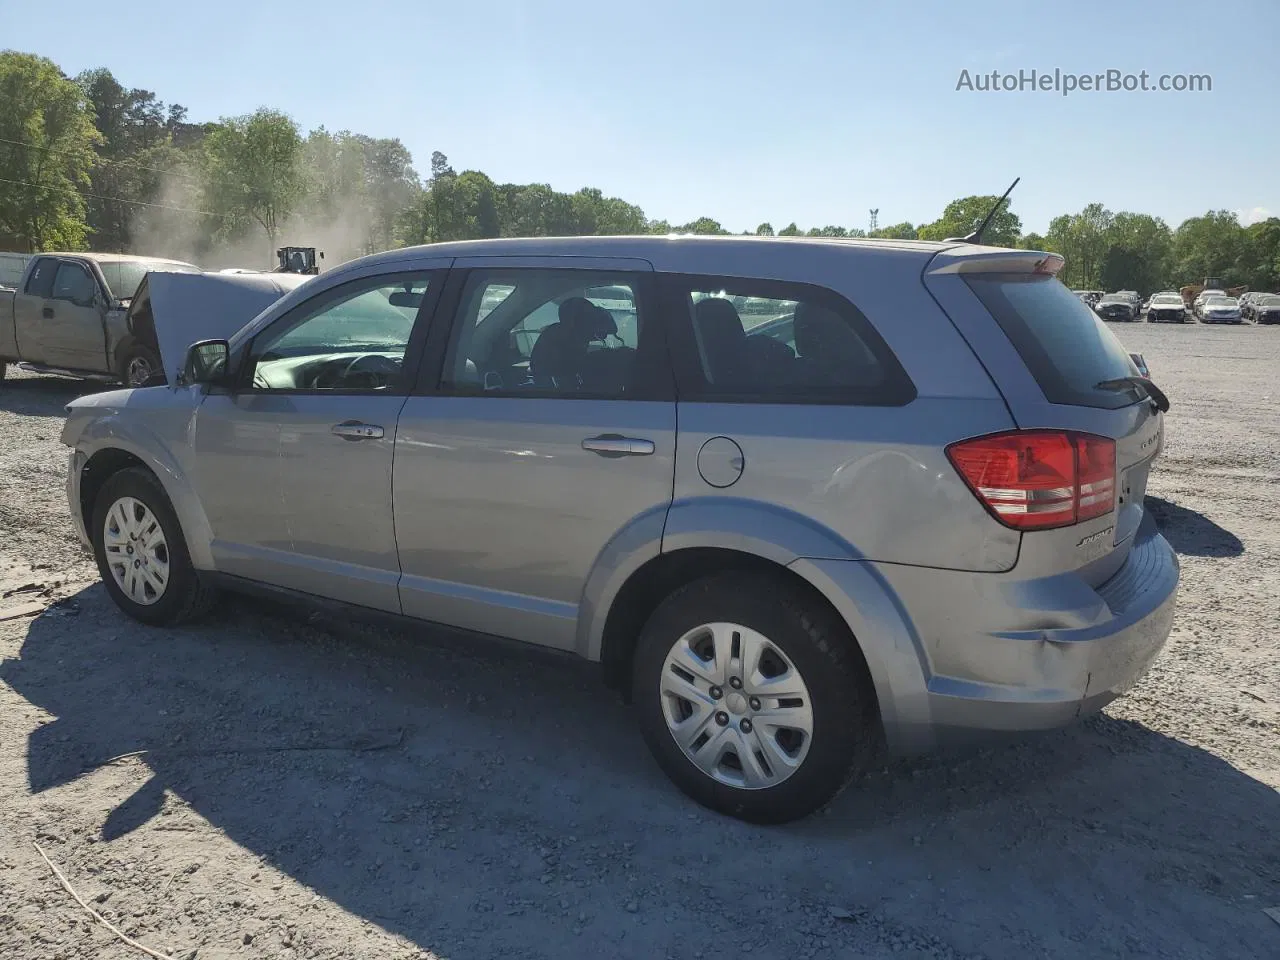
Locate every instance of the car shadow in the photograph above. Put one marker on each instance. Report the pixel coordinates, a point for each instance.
(480, 802)
(1192, 533)
(43, 396)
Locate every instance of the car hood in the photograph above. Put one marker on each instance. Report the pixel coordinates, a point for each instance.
(188, 307)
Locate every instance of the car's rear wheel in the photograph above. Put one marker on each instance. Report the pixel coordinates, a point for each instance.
(753, 697)
(142, 556)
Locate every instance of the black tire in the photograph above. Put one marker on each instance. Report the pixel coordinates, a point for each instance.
(136, 359)
(846, 725)
(185, 597)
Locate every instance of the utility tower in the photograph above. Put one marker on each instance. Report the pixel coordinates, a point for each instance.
(875, 213)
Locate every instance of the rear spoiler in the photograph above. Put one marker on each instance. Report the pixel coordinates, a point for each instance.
(961, 259)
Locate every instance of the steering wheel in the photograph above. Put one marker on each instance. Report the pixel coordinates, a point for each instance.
(368, 371)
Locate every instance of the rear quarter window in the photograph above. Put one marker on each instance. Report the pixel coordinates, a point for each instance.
(1067, 348)
(766, 341)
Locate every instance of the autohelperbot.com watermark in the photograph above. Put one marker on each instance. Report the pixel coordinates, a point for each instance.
(1066, 83)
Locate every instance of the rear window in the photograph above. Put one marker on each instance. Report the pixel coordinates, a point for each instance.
(1067, 348)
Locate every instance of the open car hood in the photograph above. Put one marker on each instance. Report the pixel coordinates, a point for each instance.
(186, 307)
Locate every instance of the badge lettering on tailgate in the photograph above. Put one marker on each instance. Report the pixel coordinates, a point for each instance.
(1095, 537)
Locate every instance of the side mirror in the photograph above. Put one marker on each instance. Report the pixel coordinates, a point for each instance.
(206, 362)
(1140, 362)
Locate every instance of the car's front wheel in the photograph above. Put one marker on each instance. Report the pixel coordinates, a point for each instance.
(753, 697)
(142, 556)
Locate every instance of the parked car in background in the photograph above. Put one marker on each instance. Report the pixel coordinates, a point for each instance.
(1265, 308)
(789, 544)
(67, 316)
(1220, 310)
(1204, 295)
(1117, 306)
(1166, 308)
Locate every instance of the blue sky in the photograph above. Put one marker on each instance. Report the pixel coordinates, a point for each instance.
(743, 111)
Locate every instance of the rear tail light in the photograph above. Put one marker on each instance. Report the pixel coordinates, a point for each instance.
(1039, 479)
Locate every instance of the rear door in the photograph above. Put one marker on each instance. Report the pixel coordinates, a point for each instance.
(30, 304)
(546, 428)
(1049, 354)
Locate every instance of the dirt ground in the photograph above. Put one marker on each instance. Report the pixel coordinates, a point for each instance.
(320, 789)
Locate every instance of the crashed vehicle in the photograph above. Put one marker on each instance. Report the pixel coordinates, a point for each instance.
(884, 523)
(168, 306)
(68, 316)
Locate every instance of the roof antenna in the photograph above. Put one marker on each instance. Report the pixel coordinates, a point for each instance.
(976, 236)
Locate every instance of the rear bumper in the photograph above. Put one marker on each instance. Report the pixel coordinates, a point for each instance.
(996, 653)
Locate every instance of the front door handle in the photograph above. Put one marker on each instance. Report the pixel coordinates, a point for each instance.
(616, 445)
(355, 430)
(47, 313)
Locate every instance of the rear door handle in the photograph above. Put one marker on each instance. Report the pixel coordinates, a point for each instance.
(616, 445)
(47, 313)
(355, 430)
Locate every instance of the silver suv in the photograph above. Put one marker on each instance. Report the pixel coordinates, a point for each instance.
(801, 499)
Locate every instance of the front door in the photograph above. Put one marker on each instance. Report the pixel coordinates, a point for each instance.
(295, 463)
(72, 332)
(549, 432)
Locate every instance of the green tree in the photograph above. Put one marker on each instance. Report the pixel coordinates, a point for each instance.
(1082, 239)
(1262, 254)
(1139, 253)
(1211, 246)
(703, 225)
(254, 173)
(961, 217)
(47, 141)
(897, 231)
(790, 230)
(133, 157)
(764, 230)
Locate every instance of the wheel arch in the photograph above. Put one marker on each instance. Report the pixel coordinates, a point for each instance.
(107, 450)
(656, 579)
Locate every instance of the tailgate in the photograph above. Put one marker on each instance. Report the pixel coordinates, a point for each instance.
(1048, 352)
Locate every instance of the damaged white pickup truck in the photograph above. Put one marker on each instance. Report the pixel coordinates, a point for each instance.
(103, 316)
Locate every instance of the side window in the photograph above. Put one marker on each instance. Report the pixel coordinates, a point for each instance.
(351, 338)
(40, 282)
(557, 332)
(768, 341)
(73, 282)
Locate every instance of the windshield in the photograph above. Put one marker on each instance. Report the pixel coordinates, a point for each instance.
(1063, 343)
(1167, 298)
(123, 276)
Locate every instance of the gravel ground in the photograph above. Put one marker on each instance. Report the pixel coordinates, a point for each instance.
(320, 789)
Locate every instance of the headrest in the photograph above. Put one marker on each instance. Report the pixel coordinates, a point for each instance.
(585, 321)
(716, 318)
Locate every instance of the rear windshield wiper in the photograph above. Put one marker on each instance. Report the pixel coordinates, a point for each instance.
(1154, 393)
